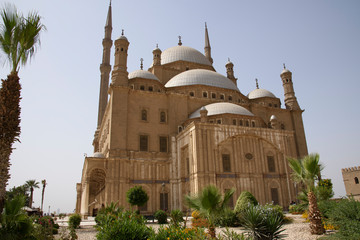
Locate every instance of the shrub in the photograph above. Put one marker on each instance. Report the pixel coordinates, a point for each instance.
(195, 214)
(326, 207)
(48, 227)
(296, 209)
(161, 216)
(231, 235)
(15, 224)
(227, 219)
(199, 222)
(244, 200)
(176, 217)
(74, 221)
(262, 222)
(346, 215)
(277, 208)
(176, 233)
(125, 225)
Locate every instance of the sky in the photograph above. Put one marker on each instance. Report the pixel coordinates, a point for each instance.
(317, 40)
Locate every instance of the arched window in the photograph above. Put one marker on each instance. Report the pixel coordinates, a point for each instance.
(356, 180)
(144, 115)
(241, 122)
(191, 94)
(247, 123)
(205, 94)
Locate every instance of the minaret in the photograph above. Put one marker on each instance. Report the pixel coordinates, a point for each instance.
(289, 93)
(156, 56)
(207, 47)
(230, 71)
(105, 68)
(119, 73)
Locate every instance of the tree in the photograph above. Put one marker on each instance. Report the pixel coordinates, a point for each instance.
(306, 171)
(19, 38)
(137, 196)
(43, 182)
(210, 203)
(31, 184)
(18, 191)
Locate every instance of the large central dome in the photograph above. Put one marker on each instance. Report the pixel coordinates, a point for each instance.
(183, 53)
(201, 77)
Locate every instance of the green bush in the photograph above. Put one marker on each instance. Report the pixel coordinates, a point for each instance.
(161, 216)
(232, 235)
(74, 221)
(177, 233)
(245, 199)
(227, 219)
(296, 209)
(176, 217)
(277, 208)
(15, 224)
(346, 215)
(122, 226)
(327, 207)
(262, 222)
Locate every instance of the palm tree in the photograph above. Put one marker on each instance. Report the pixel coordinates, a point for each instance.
(19, 38)
(43, 182)
(31, 184)
(210, 203)
(306, 171)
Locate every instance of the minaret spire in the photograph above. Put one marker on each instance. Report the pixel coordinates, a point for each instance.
(207, 48)
(105, 69)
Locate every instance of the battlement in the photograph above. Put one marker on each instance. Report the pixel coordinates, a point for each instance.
(352, 169)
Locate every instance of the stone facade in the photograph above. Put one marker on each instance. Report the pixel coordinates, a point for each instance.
(351, 177)
(181, 126)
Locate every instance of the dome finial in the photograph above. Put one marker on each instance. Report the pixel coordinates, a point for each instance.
(228, 59)
(257, 84)
(157, 45)
(180, 43)
(284, 66)
(205, 25)
(141, 63)
(110, 3)
(122, 32)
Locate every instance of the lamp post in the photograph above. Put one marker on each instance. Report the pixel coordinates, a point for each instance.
(163, 194)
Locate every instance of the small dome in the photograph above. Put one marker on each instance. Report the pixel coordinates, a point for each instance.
(201, 77)
(183, 53)
(259, 93)
(273, 118)
(142, 74)
(123, 37)
(285, 71)
(222, 108)
(99, 155)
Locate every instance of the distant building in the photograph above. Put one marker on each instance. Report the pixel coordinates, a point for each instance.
(351, 177)
(180, 126)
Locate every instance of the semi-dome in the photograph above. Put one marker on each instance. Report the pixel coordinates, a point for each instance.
(98, 155)
(142, 74)
(183, 53)
(201, 77)
(259, 93)
(222, 108)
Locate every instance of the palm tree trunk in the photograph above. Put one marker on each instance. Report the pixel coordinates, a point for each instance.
(42, 195)
(31, 197)
(9, 127)
(316, 226)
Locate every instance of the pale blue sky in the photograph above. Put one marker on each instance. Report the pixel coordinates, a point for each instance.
(318, 40)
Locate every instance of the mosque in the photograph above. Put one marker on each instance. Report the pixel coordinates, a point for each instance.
(180, 126)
